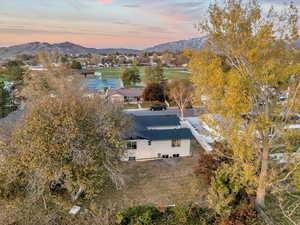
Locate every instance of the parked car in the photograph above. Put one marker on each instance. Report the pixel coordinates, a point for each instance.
(158, 107)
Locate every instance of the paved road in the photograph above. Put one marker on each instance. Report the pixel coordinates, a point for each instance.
(147, 112)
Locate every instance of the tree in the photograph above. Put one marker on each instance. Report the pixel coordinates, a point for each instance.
(154, 74)
(14, 70)
(4, 101)
(260, 67)
(95, 59)
(180, 59)
(130, 76)
(48, 58)
(167, 57)
(207, 164)
(65, 146)
(51, 82)
(154, 92)
(224, 191)
(76, 65)
(182, 92)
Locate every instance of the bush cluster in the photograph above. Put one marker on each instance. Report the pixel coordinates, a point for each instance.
(244, 214)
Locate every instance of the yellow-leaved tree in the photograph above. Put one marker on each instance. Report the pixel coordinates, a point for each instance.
(249, 76)
(66, 148)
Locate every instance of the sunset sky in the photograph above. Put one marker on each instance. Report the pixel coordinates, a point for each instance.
(103, 23)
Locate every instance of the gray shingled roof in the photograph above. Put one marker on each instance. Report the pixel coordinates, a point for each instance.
(158, 120)
(169, 134)
(126, 92)
(140, 131)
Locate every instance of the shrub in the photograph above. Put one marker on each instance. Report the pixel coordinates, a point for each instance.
(180, 215)
(244, 214)
(139, 215)
(187, 215)
(208, 163)
(224, 191)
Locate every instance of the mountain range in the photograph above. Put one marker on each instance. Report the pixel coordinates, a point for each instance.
(194, 43)
(70, 48)
(33, 48)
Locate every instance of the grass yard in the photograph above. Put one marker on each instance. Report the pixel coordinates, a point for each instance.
(158, 182)
(169, 73)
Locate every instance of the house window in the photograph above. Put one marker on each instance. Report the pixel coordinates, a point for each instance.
(149, 143)
(159, 155)
(176, 143)
(131, 159)
(165, 156)
(175, 155)
(131, 145)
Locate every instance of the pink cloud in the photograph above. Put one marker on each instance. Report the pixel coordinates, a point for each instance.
(106, 1)
(171, 19)
(165, 16)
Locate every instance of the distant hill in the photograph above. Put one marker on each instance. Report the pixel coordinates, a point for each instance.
(70, 48)
(194, 43)
(66, 48)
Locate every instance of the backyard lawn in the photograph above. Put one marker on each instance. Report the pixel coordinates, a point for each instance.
(169, 73)
(158, 182)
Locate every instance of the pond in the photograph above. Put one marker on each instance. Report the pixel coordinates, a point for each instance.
(99, 84)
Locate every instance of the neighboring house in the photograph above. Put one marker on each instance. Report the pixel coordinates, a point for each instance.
(125, 95)
(155, 137)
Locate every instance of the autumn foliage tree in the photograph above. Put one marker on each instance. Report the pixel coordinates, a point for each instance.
(208, 163)
(130, 76)
(65, 149)
(154, 74)
(66, 144)
(154, 92)
(247, 64)
(181, 91)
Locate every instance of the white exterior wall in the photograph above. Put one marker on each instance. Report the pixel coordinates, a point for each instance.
(147, 152)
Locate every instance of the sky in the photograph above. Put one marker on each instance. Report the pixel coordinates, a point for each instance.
(104, 23)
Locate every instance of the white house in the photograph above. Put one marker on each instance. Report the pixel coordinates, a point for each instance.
(154, 137)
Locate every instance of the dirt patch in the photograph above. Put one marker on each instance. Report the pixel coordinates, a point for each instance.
(160, 182)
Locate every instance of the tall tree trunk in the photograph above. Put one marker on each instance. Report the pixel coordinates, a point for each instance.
(262, 183)
(181, 112)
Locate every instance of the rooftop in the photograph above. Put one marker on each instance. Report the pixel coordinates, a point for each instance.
(157, 120)
(129, 92)
(142, 123)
